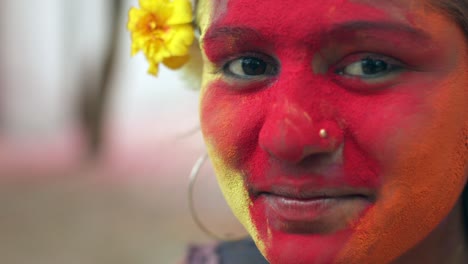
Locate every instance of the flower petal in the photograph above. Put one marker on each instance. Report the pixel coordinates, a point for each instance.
(161, 9)
(179, 40)
(152, 6)
(156, 52)
(181, 13)
(153, 69)
(135, 15)
(162, 31)
(176, 62)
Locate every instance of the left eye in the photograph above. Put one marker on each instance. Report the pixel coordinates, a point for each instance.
(249, 67)
(369, 68)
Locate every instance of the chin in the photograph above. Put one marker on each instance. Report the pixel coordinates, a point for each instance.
(307, 231)
(285, 248)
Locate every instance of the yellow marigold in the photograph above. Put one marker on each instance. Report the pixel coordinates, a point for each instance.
(163, 31)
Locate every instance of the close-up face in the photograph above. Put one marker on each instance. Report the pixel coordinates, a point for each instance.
(337, 128)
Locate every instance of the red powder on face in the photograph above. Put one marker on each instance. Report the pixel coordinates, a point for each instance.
(266, 129)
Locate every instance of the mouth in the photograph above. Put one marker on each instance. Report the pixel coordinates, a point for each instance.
(314, 211)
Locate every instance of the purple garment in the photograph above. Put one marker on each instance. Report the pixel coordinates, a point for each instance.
(232, 252)
(202, 254)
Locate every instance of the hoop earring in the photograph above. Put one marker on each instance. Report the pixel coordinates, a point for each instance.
(193, 212)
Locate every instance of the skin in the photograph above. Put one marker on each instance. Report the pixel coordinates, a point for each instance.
(396, 143)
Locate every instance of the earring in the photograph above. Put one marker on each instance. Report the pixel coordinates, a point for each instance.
(193, 212)
(323, 133)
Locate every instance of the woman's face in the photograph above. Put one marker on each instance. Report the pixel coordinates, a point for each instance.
(338, 128)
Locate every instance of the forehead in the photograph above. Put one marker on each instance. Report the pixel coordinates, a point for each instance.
(222, 5)
(288, 13)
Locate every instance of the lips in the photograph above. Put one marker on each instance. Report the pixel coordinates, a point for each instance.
(313, 210)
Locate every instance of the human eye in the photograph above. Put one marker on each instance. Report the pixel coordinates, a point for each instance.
(370, 67)
(250, 67)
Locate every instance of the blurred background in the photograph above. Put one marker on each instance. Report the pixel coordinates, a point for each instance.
(95, 154)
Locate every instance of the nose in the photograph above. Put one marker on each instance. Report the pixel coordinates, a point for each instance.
(292, 135)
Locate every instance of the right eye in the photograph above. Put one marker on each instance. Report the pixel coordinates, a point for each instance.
(249, 67)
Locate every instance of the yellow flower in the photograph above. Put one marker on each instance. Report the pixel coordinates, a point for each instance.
(163, 31)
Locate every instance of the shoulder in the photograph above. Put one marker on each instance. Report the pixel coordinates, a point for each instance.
(232, 252)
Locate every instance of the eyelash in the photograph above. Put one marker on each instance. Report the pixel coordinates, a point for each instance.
(392, 65)
(391, 68)
(273, 65)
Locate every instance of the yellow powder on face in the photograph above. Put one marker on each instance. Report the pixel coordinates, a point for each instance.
(230, 180)
(232, 184)
(204, 14)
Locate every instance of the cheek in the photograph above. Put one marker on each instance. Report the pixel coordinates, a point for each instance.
(380, 124)
(422, 149)
(231, 121)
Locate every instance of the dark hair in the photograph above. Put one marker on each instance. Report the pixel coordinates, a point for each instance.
(456, 9)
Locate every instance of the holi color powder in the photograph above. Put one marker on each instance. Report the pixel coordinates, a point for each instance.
(401, 135)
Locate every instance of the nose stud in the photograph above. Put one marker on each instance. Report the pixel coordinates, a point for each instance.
(323, 133)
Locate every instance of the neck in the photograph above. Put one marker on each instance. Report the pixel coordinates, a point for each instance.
(446, 244)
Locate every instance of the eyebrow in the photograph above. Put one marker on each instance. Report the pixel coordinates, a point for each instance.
(216, 32)
(395, 27)
(235, 32)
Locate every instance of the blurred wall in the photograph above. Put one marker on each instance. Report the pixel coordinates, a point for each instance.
(127, 205)
(46, 48)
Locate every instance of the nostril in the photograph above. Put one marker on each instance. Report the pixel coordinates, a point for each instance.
(291, 134)
(286, 153)
(316, 161)
(293, 146)
(322, 160)
(300, 143)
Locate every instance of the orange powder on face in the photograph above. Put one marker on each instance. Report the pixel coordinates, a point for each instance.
(424, 184)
